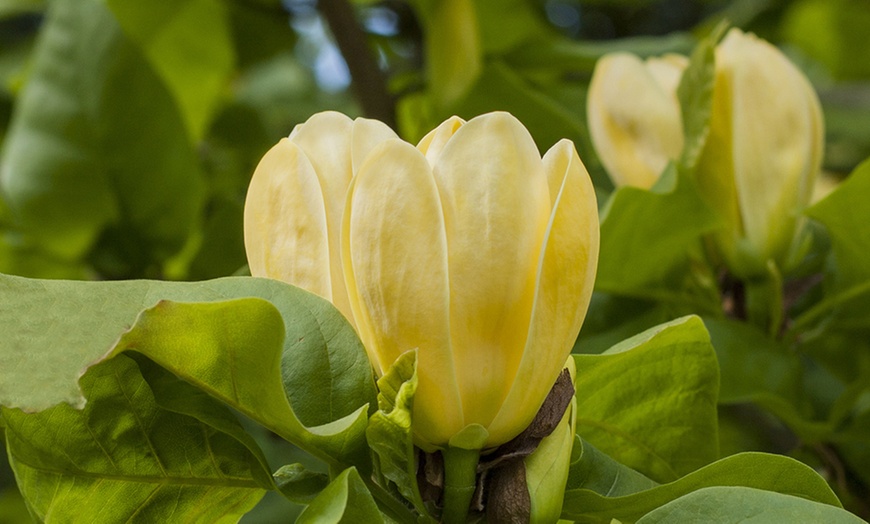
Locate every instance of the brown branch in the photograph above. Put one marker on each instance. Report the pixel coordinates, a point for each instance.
(369, 82)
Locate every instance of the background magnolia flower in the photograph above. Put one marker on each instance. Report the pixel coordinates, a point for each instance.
(470, 248)
(764, 152)
(634, 115)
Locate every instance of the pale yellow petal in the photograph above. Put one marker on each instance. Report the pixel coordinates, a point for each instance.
(564, 287)
(496, 206)
(395, 256)
(326, 140)
(285, 221)
(667, 70)
(367, 134)
(634, 121)
(433, 143)
(776, 132)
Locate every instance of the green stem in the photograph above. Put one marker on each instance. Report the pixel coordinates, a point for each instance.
(460, 480)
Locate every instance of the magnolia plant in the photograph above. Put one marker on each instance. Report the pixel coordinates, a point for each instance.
(409, 339)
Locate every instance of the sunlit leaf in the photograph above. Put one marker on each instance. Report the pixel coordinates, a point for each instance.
(650, 401)
(130, 454)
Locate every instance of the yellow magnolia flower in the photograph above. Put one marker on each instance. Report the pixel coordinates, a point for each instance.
(296, 198)
(469, 248)
(634, 115)
(764, 152)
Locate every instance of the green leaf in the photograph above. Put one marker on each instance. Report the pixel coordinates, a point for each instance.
(300, 484)
(595, 471)
(345, 501)
(733, 504)
(233, 350)
(500, 88)
(96, 145)
(132, 455)
(753, 470)
(755, 368)
(648, 240)
(389, 433)
(189, 43)
(844, 214)
(695, 94)
(650, 402)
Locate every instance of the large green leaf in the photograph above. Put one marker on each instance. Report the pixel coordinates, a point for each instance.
(189, 43)
(234, 350)
(846, 216)
(650, 401)
(735, 504)
(753, 470)
(139, 451)
(96, 145)
(647, 243)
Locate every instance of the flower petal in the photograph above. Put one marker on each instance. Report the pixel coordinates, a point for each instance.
(285, 221)
(367, 134)
(433, 143)
(326, 140)
(634, 121)
(564, 287)
(496, 205)
(395, 258)
(776, 134)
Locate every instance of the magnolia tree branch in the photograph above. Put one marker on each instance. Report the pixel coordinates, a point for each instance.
(369, 82)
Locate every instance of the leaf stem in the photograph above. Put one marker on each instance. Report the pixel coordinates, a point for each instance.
(460, 481)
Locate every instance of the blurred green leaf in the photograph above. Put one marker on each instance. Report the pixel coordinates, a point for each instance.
(834, 32)
(96, 143)
(650, 401)
(499, 88)
(647, 239)
(16, 7)
(761, 471)
(189, 43)
(345, 501)
(845, 214)
(138, 450)
(732, 504)
(695, 93)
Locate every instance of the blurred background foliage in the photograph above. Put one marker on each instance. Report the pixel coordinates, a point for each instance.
(129, 129)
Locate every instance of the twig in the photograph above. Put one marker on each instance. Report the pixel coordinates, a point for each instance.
(369, 83)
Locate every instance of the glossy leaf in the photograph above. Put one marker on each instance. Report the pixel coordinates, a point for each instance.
(761, 471)
(131, 455)
(733, 504)
(650, 401)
